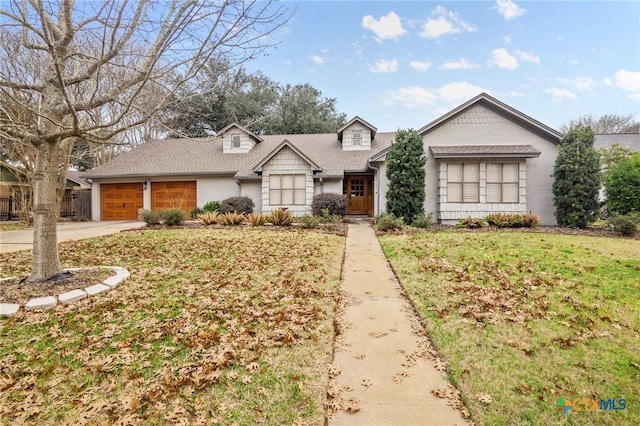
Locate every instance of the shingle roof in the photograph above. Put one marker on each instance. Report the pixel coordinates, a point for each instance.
(204, 156)
(625, 140)
(520, 151)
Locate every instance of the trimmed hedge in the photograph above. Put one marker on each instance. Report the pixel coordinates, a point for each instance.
(333, 203)
(243, 205)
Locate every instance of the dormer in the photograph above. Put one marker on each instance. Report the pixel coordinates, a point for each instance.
(356, 135)
(237, 139)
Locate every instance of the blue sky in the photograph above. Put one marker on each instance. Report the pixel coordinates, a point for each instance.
(403, 64)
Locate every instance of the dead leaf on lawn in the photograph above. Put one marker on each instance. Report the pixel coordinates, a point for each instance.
(359, 356)
(351, 405)
(366, 383)
(484, 397)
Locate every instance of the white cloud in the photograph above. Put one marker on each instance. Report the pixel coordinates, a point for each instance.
(417, 96)
(502, 59)
(509, 9)
(629, 81)
(383, 66)
(444, 22)
(459, 91)
(462, 64)
(387, 27)
(581, 84)
(412, 96)
(527, 56)
(317, 59)
(420, 65)
(508, 39)
(560, 94)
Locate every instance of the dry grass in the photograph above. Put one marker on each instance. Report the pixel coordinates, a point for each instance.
(524, 318)
(214, 326)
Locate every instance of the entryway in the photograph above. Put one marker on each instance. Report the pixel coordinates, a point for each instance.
(359, 192)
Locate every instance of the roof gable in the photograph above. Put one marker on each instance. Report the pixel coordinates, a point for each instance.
(368, 125)
(285, 143)
(500, 108)
(232, 126)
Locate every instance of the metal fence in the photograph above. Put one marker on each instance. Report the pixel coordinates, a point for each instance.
(75, 205)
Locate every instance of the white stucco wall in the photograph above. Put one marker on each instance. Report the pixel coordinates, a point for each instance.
(481, 126)
(253, 190)
(216, 189)
(327, 185)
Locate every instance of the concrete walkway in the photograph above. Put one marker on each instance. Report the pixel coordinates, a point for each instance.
(11, 241)
(384, 365)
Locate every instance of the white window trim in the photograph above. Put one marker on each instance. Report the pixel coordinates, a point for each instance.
(464, 183)
(357, 141)
(502, 183)
(236, 140)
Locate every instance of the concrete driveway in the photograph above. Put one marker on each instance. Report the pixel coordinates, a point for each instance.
(11, 241)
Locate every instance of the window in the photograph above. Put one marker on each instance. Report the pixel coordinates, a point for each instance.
(463, 183)
(356, 137)
(287, 190)
(503, 183)
(235, 140)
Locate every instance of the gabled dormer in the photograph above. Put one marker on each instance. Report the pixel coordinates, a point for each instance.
(357, 135)
(237, 139)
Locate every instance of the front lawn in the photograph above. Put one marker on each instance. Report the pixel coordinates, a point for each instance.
(227, 326)
(525, 318)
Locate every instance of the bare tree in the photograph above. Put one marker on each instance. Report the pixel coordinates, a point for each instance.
(608, 123)
(66, 63)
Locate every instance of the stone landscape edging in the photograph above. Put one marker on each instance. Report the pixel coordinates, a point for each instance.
(66, 298)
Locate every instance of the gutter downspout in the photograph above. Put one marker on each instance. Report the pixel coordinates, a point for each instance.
(377, 169)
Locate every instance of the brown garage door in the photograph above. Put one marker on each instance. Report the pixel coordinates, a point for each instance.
(168, 195)
(121, 201)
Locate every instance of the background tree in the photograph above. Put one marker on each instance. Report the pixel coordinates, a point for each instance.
(406, 174)
(613, 155)
(224, 95)
(67, 63)
(623, 186)
(608, 123)
(576, 179)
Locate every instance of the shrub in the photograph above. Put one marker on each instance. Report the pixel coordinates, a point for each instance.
(243, 205)
(152, 217)
(387, 222)
(231, 219)
(256, 219)
(515, 221)
(173, 217)
(622, 184)
(196, 212)
(334, 204)
(211, 206)
(308, 221)
(208, 218)
(626, 225)
(576, 182)
(406, 174)
(499, 220)
(530, 220)
(423, 221)
(471, 223)
(280, 217)
(330, 218)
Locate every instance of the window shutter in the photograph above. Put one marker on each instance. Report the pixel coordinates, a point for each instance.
(494, 192)
(454, 192)
(454, 172)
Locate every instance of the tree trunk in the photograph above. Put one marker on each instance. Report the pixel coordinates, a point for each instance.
(46, 260)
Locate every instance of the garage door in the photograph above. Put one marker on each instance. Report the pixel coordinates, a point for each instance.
(121, 201)
(168, 195)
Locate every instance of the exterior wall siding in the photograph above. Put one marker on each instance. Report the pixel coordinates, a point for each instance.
(287, 162)
(246, 142)
(481, 126)
(347, 138)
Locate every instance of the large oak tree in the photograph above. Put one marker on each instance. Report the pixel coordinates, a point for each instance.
(83, 70)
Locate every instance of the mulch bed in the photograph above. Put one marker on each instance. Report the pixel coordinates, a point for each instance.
(20, 291)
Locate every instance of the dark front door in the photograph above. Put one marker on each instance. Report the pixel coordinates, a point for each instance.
(359, 191)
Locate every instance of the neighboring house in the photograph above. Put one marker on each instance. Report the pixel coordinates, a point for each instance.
(631, 141)
(482, 157)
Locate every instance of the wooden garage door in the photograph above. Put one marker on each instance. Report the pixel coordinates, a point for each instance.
(168, 195)
(121, 201)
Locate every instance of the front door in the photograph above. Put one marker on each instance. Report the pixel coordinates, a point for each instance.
(359, 191)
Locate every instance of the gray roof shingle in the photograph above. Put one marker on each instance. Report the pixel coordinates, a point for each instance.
(625, 140)
(204, 156)
(522, 151)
